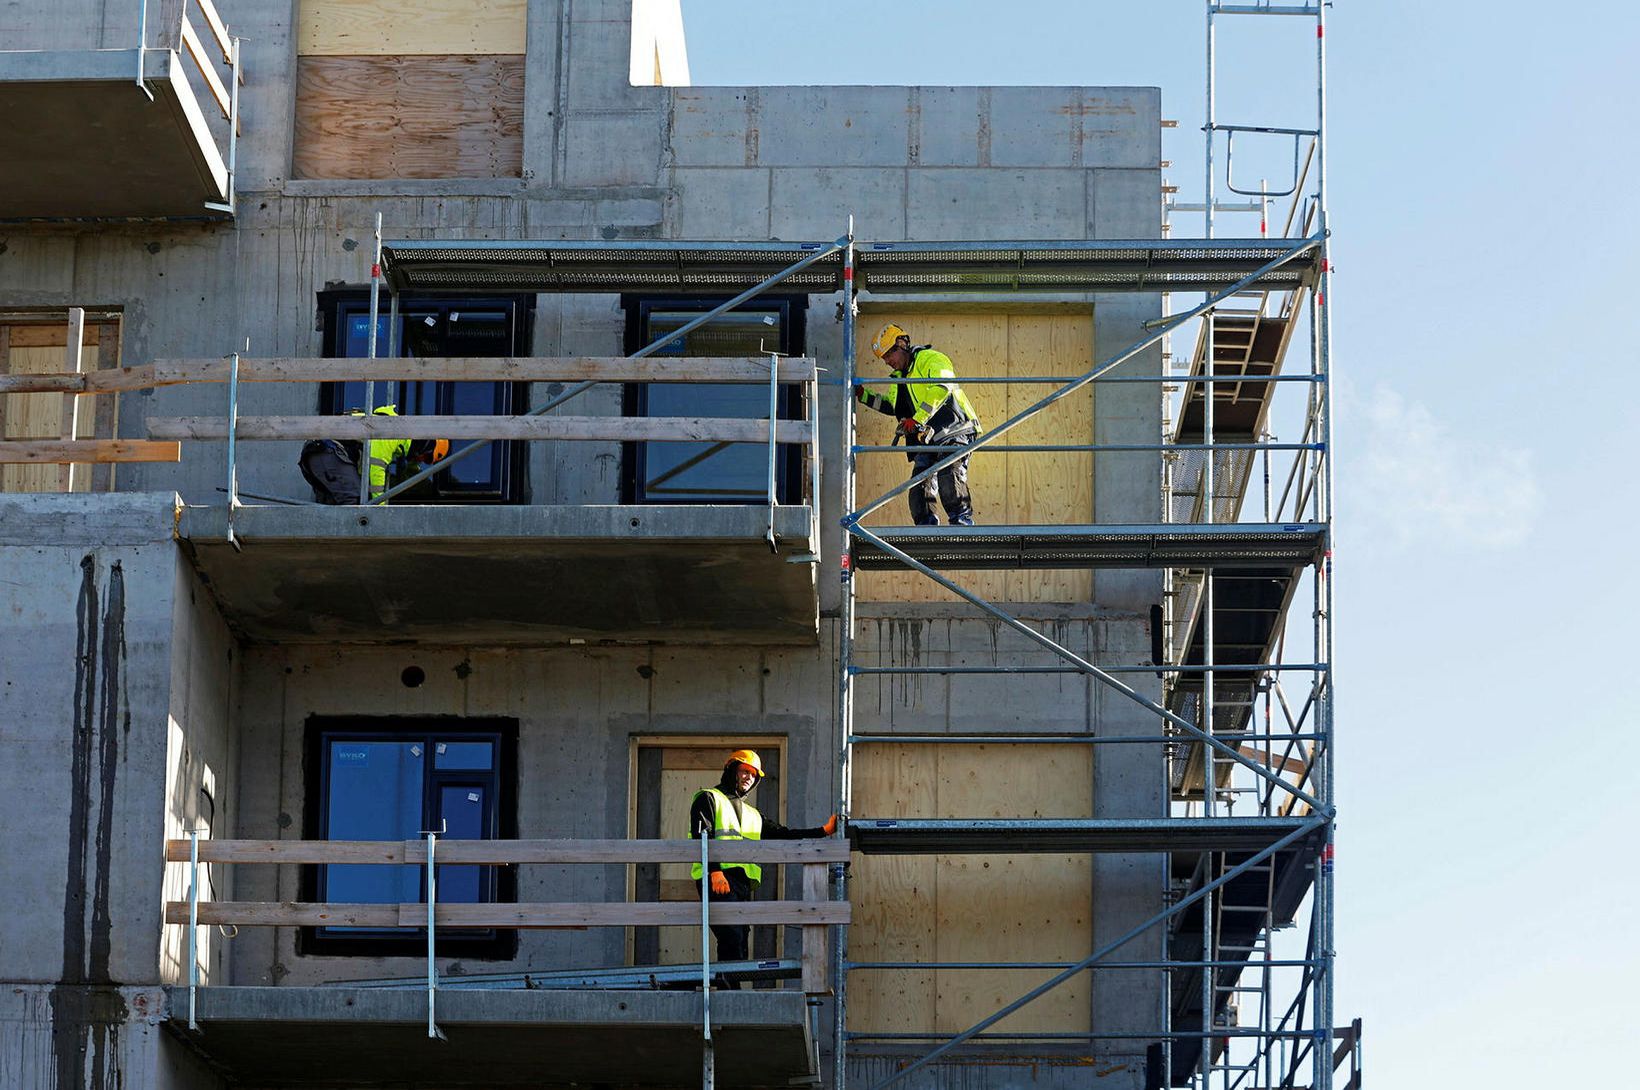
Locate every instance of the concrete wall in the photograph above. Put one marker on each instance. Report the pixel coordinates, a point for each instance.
(112, 653)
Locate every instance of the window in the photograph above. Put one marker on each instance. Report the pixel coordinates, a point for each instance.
(394, 780)
(429, 328)
(721, 473)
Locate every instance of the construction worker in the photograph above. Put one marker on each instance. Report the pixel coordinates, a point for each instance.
(932, 411)
(722, 813)
(332, 466)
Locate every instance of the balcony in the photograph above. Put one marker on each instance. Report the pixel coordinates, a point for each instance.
(440, 1031)
(161, 115)
(701, 573)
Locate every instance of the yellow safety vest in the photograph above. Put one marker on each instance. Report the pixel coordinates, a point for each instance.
(727, 825)
(383, 452)
(927, 396)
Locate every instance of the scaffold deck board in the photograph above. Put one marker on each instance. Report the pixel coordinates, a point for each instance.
(1075, 265)
(941, 836)
(1048, 547)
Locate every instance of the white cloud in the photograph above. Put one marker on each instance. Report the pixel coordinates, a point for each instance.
(1406, 477)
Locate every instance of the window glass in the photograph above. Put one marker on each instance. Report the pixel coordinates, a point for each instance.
(715, 472)
(375, 793)
(460, 755)
(462, 809)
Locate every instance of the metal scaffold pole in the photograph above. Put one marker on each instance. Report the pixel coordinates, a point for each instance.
(845, 668)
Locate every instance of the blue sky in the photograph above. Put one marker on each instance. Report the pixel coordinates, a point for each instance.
(1484, 173)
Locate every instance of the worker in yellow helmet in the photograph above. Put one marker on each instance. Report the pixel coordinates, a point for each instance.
(932, 411)
(722, 813)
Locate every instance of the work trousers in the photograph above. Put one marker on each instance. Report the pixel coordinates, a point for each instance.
(949, 485)
(733, 940)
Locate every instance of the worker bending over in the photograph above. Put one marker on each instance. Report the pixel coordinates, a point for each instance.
(933, 412)
(331, 466)
(722, 813)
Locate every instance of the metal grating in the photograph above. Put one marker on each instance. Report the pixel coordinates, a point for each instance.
(565, 266)
(923, 836)
(1062, 547)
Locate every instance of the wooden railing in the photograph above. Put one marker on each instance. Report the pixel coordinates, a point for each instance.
(812, 912)
(165, 434)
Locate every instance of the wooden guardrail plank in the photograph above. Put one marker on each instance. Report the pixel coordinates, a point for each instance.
(207, 68)
(113, 380)
(814, 938)
(522, 916)
(508, 852)
(605, 428)
(712, 369)
(77, 451)
(218, 29)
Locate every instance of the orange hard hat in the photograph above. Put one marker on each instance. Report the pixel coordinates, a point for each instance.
(747, 757)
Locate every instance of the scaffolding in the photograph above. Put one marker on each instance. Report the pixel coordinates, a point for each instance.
(1229, 881)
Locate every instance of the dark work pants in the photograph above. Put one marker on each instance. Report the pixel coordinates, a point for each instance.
(949, 485)
(733, 941)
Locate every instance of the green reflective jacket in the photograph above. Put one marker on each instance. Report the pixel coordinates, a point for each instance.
(384, 452)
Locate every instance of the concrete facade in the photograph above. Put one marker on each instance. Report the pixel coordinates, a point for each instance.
(185, 719)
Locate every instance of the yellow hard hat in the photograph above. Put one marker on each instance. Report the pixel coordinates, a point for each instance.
(885, 340)
(747, 757)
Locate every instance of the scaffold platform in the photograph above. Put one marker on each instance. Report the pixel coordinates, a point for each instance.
(1096, 546)
(1150, 265)
(964, 836)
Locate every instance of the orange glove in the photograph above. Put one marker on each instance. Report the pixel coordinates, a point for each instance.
(831, 825)
(720, 883)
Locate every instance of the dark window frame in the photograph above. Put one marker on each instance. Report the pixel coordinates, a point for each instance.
(793, 341)
(487, 944)
(510, 466)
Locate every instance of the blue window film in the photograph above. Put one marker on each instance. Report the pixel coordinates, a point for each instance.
(461, 806)
(375, 793)
(734, 472)
(464, 755)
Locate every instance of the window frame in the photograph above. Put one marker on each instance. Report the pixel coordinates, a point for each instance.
(793, 340)
(511, 461)
(319, 732)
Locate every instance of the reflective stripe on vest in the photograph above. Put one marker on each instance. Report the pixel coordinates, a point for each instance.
(726, 826)
(929, 369)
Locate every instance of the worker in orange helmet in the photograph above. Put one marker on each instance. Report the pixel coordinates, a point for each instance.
(722, 813)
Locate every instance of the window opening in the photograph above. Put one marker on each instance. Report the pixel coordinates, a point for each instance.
(716, 473)
(430, 328)
(374, 782)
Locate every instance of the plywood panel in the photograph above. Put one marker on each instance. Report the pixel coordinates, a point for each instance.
(1008, 489)
(678, 787)
(409, 117)
(40, 416)
(1050, 489)
(893, 896)
(1013, 908)
(970, 908)
(394, 27)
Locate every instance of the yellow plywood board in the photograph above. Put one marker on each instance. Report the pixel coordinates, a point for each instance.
(970, 907)
(40, 416)
(364, 28)
(1008, 489)
(893, 896)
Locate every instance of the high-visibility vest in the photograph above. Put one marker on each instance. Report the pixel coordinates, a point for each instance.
(727, 825)
(383, 452)
(934, 368)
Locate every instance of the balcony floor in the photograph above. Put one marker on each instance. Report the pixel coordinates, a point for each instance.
(371, 1037)
(76, 118)
(508, 575)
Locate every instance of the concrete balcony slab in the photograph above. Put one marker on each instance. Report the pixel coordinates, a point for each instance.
(76, 120)
(378, 1037)
(509, 575)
